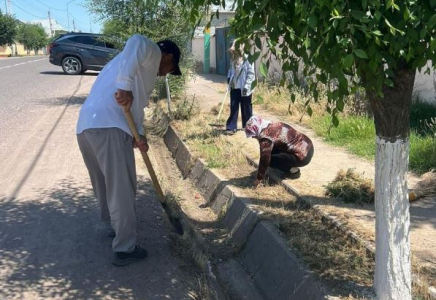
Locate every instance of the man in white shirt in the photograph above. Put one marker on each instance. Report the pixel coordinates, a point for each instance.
(105, 139)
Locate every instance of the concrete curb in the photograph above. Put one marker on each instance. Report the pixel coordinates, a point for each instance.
(277, 272)
(333, 221)
(199, 254)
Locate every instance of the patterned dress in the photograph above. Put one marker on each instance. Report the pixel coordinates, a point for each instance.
(282, 147)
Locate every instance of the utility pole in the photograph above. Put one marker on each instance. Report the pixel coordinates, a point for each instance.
(90, 26)
(68, 14)
(8, 7)
(9, 12)
(74, 26)
(51, 26)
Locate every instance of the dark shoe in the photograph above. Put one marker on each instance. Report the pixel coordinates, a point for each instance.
(126, 258)
(230, 132)
(111, 233)
(292, 175)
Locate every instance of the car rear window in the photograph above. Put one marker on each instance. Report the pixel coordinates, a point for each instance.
(75, 39)
(87, 40)
(90, 40)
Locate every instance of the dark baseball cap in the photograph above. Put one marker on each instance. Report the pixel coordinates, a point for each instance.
(169, 46)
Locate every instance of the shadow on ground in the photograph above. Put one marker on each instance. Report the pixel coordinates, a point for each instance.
(76, 100)
(303, 230)
(62, 73)
(54, 246)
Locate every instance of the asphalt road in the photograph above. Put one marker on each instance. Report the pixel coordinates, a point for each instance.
(52, 244)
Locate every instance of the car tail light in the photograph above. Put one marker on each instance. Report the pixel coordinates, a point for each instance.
(51, 46)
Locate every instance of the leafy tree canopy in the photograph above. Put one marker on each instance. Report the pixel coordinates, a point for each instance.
(8, 29)
(341, 43)
(32, 36)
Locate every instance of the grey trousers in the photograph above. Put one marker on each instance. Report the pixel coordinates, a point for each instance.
(109, 158)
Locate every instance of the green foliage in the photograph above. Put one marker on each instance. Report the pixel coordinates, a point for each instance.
(32, 36)
(154, 19)
(340, 44)
(213, 154)
(356, 134)
(117, 30)
(8, 29)
(422, 155)
(185, 109)
(421, 117)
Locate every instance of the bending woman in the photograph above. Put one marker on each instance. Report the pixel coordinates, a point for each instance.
(281, 147)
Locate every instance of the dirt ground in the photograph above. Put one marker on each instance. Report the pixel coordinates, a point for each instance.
(327, 161)
(52, 243)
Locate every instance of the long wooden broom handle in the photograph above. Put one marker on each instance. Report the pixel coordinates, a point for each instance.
(147, 161)
(224, 100)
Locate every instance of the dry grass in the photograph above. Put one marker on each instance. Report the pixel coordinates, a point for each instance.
(351, 187)
(203, 292)
(426, 185)
(278, 101)
(200, 290)
(323, 248)
(157, 116)
(332, 256)
(208, 142)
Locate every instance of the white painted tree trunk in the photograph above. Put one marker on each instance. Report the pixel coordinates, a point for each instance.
(392, 279)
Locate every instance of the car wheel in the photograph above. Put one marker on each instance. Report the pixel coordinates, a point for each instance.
(71, 65)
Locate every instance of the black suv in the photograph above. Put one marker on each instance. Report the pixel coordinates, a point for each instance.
(78, 52)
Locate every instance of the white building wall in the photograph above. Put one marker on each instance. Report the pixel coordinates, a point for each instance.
(212, 53)
(425, 84)
(197, 48)
(198, 51)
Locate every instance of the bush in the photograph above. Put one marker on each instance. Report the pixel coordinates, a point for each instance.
(422, 154)
(422, 117)
(184, 109)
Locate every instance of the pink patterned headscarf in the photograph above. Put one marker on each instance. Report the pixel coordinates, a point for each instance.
(255, 125)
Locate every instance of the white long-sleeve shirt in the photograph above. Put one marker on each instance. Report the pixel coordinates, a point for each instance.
(134, 69)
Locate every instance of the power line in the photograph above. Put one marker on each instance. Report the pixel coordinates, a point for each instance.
(36, 15)
(31, 8)
(77, 21)
(50, 6)
(39, 17)
(80, 27)
(8, 7)
(56, 16)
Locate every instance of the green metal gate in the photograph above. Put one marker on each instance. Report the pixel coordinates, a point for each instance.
(223, 41)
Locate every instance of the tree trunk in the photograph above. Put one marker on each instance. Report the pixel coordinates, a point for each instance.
(392, 280)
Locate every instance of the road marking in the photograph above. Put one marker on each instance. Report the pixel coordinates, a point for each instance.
(26, 62)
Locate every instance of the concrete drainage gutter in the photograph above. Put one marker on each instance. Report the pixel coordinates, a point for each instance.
(277, 273)
(334, 222)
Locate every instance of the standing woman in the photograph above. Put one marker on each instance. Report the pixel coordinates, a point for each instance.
(240, 77)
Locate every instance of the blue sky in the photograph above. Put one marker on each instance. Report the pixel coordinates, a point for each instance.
(30, 10)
